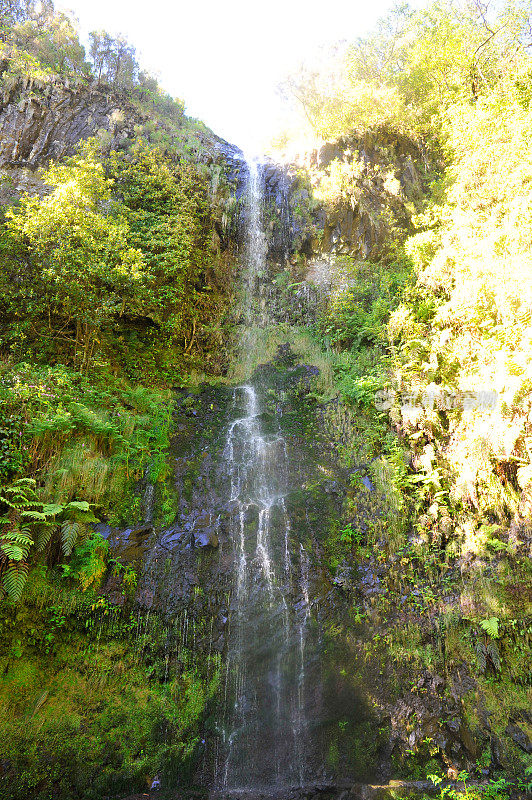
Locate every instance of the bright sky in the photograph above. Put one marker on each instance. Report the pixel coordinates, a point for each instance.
(224, 58)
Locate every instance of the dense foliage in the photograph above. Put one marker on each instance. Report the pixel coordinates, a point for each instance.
(39, 43)
(112, 290)
(447, 310)
(110, 295)
(412, 68)
(119, 247)
(429, 343)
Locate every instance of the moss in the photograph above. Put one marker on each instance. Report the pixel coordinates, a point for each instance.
(96, 709)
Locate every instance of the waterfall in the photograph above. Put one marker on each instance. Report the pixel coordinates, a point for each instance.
(264, 724)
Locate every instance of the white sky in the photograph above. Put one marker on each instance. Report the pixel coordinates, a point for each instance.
(224, 58)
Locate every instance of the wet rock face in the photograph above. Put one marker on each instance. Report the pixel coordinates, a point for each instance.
(384, 176)
(189, 564)
(187, 569)
(278, 186)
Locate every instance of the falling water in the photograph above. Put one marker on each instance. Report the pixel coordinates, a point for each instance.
(265, 685)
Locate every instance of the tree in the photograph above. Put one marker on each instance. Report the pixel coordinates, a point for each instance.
(113, 59)
(166, 206)
(100, 48)
(82, 271)
(412, 69)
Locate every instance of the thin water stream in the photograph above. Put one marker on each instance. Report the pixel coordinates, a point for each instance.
(265, 725)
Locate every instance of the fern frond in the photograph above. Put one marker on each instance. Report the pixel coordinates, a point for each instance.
(8, 502)
(82, 505)
(44, 536)
(13, 551)
(14, 580)
(52, 509)
(491, 626)
(82, 533)
(493, 652)
(37, 516)
(26, 482)
(69, 534)
(481, 652)
(16, 543)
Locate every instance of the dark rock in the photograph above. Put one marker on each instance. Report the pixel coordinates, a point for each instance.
(45, 120)
(103, 529)
(205, 539)
(519, 737)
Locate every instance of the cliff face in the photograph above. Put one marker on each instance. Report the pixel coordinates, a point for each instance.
(44, 121)
(370, 184)
(352, 197)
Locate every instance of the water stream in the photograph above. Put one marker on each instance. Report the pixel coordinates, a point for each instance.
(265, 723)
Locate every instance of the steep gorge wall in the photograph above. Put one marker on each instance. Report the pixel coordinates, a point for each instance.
(42, 121)
(354, 196)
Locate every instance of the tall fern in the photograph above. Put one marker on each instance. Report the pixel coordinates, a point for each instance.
(29, 523)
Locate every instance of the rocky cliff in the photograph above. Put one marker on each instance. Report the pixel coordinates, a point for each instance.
(355, 196)
(45, 120)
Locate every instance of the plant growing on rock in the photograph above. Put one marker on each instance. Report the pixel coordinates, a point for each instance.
(30, 524)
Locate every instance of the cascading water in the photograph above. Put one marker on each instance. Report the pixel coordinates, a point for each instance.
(265, 721)
(245, 567)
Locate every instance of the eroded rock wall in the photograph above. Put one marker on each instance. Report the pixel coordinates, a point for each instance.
(355, 196)
(41, 121)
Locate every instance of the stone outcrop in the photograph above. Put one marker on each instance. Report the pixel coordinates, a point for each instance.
(41, 121)
(346, 197)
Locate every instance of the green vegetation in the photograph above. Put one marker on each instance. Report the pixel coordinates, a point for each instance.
(111, 262)
(444, 310)
(414, 67)
(113, 290)
(428, 340)
(86, 709)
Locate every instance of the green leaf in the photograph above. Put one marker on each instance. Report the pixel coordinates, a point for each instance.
(38, 516)
(14, 580)
(51, 509)
(16, 544)
(70, 531)
(81, 505)
(44, 536)
(491, 626)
